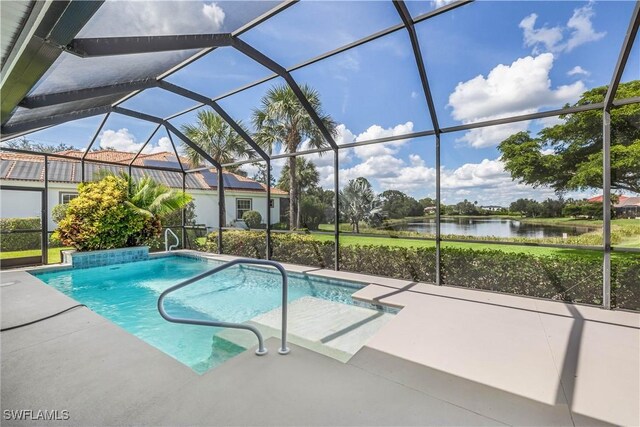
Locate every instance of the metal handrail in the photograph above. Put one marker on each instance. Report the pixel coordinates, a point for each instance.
(261, 349)
(166, 240)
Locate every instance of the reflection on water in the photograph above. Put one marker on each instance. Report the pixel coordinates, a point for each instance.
(485, 227)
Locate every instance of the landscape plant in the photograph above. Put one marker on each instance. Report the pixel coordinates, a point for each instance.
(358, 202)
(576, 278)
(568, 155)
(20, 241)
(281, 121)
(116, 212)
(218, 139)
(253, 219)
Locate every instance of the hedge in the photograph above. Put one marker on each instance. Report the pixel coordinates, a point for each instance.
(568, 278)
(20, 241)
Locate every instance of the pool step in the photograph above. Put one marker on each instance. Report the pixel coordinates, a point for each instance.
(330, 328)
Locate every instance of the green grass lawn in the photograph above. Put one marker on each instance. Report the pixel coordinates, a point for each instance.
(53, 254)
(348, 240)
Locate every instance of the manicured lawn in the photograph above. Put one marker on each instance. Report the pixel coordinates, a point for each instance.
(53, 254)
(407, 243)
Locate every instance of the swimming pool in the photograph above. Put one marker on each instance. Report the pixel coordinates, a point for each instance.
(127, 295)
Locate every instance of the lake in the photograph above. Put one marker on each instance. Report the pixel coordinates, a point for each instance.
(486, 227)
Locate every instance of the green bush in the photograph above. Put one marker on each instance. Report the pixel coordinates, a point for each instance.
(59, 212)
(568, 278)
(253, 219)
(99, 218)
(20, 241)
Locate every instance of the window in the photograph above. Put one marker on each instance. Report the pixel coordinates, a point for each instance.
(272, 203)
(242, 206)
(67, 197)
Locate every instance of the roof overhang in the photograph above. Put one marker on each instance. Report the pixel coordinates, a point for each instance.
(40, 36)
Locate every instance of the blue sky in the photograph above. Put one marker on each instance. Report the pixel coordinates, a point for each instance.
(484, 60)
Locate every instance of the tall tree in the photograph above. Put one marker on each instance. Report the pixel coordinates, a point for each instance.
(568, 156)
(261, 174)
(217, 139)
(28, 145)
(397, 204)
(307, 177)
(282, 121)
(306, 174)
(358, 202)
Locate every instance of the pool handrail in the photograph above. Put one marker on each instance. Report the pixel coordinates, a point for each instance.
(261, 348)
(166, 240)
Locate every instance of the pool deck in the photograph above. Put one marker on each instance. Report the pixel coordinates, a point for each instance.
(451, 356)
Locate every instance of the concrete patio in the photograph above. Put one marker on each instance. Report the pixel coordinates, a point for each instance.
(450, 357)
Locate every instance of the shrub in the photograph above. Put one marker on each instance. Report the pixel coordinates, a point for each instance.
(253, 219)
(59, 212)
(573, 278)
(99, 218)
(20, 241)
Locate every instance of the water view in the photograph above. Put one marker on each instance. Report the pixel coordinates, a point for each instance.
(485, 227)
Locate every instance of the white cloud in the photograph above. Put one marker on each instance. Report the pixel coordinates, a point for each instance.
(250, 169)
(120, 140)
(123, 140)
(582, 30)
(487, 182)
(163, 145)
(214, 13)
(345, 136)
(372, 156)
(533, 37)
(141, 18)
(519, 88)
(440, 3)
(417, 179)
(578, 70)
(492, 135)
(376, 132)
(550, 39)
(384, 166)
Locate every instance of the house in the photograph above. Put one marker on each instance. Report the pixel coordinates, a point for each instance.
(19, 172)
(429, 210)
(624, 207)
(492, 208)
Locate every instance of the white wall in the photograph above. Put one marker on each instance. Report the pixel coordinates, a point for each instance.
(259, 204)
(206, 207)
(15, 204)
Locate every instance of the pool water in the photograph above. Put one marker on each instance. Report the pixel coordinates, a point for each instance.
(127, 294)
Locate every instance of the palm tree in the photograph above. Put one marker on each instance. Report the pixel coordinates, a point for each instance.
(358, 202)
(219, 140)
(306, 173)
(307, 177)
(151, 200)
(281, 120)
(154, 201)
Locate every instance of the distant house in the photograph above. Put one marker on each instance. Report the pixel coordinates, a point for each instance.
(429, 210)
(625, 207)
(21, 170)
(492, 208)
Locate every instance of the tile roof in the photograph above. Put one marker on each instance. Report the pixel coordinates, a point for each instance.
(622, 201)
(628, 201)
(26, 167)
